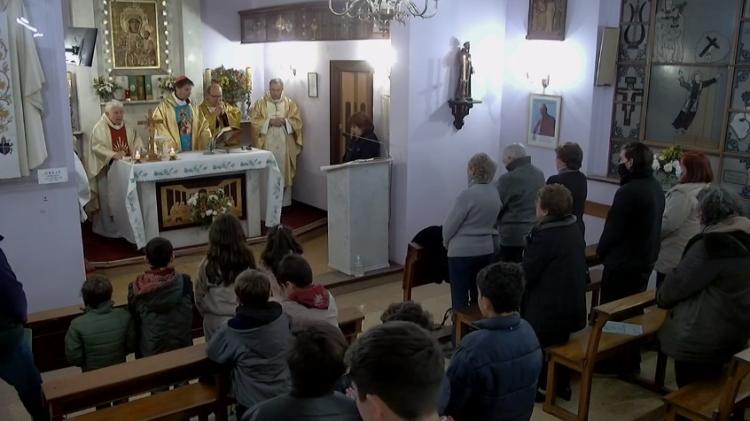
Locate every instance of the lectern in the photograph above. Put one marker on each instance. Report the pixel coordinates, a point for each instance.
(358, 209)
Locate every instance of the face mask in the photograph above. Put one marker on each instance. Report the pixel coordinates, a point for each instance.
(622, 170)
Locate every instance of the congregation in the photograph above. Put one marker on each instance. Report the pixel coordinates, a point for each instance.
(515, 250)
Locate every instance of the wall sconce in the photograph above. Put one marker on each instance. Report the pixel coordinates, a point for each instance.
(293, 70)
(543, 79)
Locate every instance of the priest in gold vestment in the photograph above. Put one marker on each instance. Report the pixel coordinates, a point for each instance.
(277, 125)
(182, 122)
(218, 113)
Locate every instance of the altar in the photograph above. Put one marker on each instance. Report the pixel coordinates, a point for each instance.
(150, 199)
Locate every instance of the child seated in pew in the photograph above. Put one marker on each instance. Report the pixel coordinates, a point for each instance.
(280, 242)
(408, 311)
(493, 374)
(102, 336)
(301, 299)
(254, 343)
(161, 303)
(316, 361)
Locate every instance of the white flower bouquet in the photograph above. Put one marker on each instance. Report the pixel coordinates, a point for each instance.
(667, 166)
(204, 207)
(105, 88)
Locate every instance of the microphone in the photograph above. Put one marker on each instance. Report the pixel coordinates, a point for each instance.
(363, 138)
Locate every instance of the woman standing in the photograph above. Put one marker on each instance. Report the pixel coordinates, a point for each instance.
(469, 230)
(681, 219)
(228, 255)
(363, 143)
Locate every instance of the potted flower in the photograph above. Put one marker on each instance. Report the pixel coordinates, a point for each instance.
(235, 84)
(205, 206)
(166, 84)
(667, 167)
(105, 88)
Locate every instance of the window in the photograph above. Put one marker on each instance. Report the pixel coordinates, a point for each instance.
(683, 77)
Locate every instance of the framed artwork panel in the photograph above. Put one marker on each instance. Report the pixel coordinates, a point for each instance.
(136, 37)
(544, 121)
(547, 19)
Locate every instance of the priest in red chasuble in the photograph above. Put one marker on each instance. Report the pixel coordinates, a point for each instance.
(111, 139)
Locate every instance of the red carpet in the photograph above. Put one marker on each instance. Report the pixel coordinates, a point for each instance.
(99, 249)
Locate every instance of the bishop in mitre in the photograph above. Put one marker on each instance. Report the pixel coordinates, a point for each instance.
(277, 125)
(111, 139)
(182, 122)
(218, 113)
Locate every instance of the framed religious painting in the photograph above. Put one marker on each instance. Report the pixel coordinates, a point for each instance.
(544, 121)
(547, 19)
(136, 32)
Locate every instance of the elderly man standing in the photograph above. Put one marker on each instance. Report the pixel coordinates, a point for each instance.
(218, 113)
(111, 139)
(518, 188)
(277, 123)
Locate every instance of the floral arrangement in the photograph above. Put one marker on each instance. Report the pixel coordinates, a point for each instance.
(204, 207)
(667, 165)
(105, 88)
(235, 84)
(166, 83)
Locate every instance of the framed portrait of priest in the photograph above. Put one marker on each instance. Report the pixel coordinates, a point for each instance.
(137, 40)
(544, 121)
(547, 19)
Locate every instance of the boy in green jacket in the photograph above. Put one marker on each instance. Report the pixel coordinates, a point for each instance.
(102, 336)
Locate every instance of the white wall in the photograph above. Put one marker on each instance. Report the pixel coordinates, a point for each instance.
(40, 222)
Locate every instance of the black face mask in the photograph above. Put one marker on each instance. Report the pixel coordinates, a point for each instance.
(622, 170)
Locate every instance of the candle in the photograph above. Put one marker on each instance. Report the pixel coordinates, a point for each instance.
(249, 73)
(172, 154)
(137, 155)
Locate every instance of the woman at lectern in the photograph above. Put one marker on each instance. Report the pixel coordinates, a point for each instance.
(363, 143)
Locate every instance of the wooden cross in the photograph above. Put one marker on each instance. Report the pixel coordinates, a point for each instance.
(150, 123)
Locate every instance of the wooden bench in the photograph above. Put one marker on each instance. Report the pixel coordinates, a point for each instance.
(69, 394)
(350, 322)
(414, 270)
(714, 400)
(590, 345)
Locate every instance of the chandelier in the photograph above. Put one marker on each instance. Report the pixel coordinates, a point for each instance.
(382, 12)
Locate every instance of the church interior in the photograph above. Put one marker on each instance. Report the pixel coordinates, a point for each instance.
(583, 164)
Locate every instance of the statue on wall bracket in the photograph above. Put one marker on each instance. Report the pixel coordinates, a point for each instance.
(462, 101)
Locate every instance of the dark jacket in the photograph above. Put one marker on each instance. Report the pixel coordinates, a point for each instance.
(494, 372)
(163, 317)
(362, 147)
(632, 232)
(554, 265)
(435, 264)
(254, 344)
(12, 306)
(332, 407)
(574, 181)
(101, 337)
(708, 296)
(518, 188)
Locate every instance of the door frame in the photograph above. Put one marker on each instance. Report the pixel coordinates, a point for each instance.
(338, 67)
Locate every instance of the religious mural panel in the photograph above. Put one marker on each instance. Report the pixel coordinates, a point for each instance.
(636, 11)
(741, 89)
(743, 50)
(547, 19)
(633, 43)
(735, 175)
(173, 209)
(686, 105)
(626, 122)
(630, 83)
(136, 37)
(738, 133)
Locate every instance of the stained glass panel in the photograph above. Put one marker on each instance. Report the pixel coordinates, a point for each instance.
(743, 50)
(630, 83)
(735, 175)
(636, 11)
(627, 121)
(633, 42)
(738, 133)
(741, 89)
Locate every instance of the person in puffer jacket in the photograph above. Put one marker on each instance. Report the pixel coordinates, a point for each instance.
(102, 336)
(161, 303)
(301, 299)
(254, 343)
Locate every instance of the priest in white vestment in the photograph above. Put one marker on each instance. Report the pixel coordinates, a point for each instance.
(22, 144)
(277, 125)
(111, 139)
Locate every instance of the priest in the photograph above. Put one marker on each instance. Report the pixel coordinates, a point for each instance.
(218, 113)
(111, 139)
(277, 127)
(182, 122)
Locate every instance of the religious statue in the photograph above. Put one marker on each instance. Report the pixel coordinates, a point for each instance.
(182, 122)
(111, 139)
(277, 125)
(219, 114)
(465, 70)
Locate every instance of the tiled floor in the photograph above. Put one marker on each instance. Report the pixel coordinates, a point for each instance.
(612, 399)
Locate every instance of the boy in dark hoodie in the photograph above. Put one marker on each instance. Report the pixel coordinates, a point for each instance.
(16, 360)
(161, 303)
(302, 300)
(254, 343)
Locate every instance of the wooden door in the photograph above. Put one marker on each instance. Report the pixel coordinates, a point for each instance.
(351, 92)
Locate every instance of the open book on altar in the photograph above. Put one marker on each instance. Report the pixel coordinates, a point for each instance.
(227, 136)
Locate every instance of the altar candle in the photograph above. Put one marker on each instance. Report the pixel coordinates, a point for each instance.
(171, 152)
(137, 155)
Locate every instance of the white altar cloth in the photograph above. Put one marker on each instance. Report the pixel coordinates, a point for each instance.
(132, 192)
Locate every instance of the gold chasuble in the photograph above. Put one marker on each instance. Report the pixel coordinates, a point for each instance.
(191, 129)
(285, 142)
(101, 151)
(232, 117)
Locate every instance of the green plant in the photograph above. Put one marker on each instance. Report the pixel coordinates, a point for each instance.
(166, 83)
(104, 87)
(235, 84)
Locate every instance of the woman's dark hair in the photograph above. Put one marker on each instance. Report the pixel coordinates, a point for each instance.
(555, 199)
(571, 155)
(697, 168)
(280, 241)
(228, 254)
(641, 155)
(361, 120)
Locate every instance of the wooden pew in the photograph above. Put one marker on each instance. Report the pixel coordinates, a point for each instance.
(590, 345)
(713, 400)
(414, 270)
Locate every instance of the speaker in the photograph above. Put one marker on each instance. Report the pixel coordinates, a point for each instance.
(606, 64)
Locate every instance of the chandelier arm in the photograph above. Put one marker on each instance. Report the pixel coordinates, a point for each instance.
(348, 7)
(415, 11)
